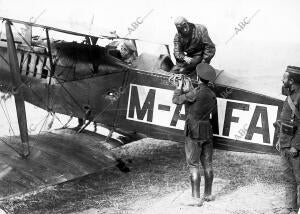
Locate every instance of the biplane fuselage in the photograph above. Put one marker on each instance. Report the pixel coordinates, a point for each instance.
(89, 83)
(85, 81)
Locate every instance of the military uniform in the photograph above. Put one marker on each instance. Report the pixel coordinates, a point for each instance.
(198, 46)
(291, 164)
(200, 103)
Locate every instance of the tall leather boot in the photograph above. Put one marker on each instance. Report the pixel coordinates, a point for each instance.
(195, 182)
(298, 196)
(208, 178)
(291, 196)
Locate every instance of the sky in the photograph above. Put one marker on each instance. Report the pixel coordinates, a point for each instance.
(264, 46)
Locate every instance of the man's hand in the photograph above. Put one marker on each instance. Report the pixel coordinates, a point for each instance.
(187, 59)
(203, 61)
(181, 70)
(293, 151)
(180, 83)
(278, 146)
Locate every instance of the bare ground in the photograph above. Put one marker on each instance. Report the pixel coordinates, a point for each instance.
(158, 183)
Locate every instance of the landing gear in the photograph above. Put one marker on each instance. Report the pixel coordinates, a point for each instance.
(82, 125)
(81, 122)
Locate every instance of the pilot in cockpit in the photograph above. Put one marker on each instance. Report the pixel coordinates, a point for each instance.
(124, 50)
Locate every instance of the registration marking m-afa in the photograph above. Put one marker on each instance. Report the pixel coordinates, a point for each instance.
(154, 106)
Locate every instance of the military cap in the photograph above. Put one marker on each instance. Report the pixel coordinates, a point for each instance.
(206, 71)
(293, 69)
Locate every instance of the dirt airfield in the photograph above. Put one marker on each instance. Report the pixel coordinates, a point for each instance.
(158, 183)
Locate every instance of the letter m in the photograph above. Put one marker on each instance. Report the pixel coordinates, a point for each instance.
(147, 107)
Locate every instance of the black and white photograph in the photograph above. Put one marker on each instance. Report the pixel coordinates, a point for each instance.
(149, 107)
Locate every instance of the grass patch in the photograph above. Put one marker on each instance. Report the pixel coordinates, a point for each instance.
(157, 168)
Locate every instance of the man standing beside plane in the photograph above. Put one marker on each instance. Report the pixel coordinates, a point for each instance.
(192, 45)
(200, 103)
(289, 138)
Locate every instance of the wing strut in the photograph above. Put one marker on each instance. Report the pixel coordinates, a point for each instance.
(18, 92)
(50, 54)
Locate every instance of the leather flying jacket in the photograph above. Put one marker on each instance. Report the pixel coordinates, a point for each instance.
(198, 43)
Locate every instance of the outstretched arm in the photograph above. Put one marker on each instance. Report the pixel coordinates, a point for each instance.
(178, 53)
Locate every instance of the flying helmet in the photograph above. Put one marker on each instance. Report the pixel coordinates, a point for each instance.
(180, 21)
(126, 47)
(206, 72)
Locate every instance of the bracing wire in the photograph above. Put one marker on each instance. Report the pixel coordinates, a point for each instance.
(37, 124)
(54, 115)
(15, 150)
(7, 117)
(20, 35)
(44, 123)
(71, 96)
(10, 130)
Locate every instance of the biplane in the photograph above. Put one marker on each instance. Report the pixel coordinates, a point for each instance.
(83, 80)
